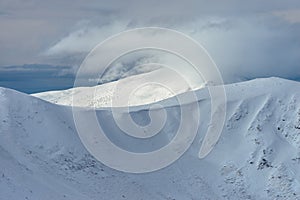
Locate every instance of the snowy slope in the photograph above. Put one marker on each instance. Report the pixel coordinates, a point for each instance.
(102, 95)
(257, 157)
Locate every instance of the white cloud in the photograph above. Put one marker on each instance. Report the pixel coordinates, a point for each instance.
(85, 38)
(244, 38)
(242, 48)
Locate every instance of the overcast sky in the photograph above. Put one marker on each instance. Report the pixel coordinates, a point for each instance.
(247, 39)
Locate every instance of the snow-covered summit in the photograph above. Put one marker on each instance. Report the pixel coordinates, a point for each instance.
(141, 88)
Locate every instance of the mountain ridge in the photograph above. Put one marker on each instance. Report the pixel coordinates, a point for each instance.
(257, 156)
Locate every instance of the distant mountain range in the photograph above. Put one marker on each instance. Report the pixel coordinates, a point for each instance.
(34, 78)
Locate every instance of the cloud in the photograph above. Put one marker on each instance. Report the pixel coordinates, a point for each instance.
(254, 47)
(85, 38)
(246, 39)
(292, 16)
(243, 48)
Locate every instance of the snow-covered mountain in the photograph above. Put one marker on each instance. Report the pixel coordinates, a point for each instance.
(257, 156)
(102, 95)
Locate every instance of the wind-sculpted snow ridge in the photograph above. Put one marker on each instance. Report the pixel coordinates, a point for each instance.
(257, 156)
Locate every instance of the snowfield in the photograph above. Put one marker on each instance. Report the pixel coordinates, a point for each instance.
(257, 156)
